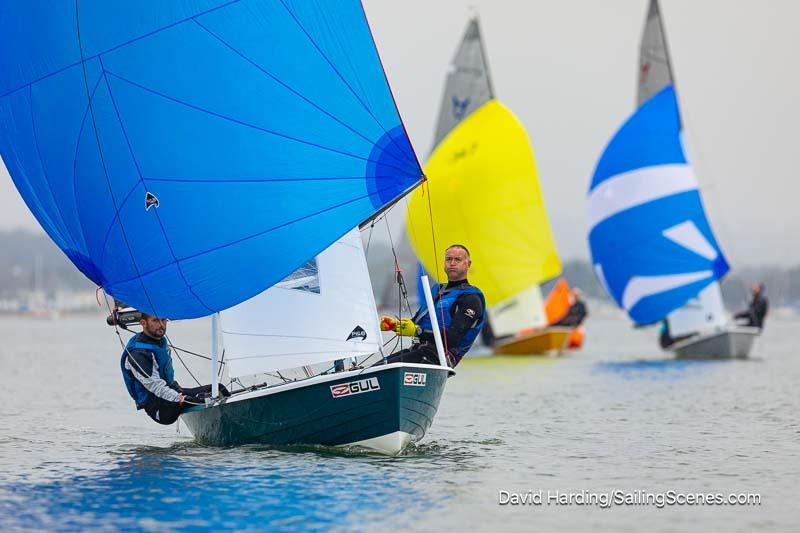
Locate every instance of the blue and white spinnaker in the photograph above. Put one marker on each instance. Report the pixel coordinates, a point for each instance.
(650, 241)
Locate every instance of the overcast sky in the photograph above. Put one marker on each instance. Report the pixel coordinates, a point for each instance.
(567, 68)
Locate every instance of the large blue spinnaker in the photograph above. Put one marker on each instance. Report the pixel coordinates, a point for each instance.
(188, 155)
(650, 241)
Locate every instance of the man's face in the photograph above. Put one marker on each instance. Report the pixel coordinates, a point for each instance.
(456, 264)
(755, 289)
(154, 327)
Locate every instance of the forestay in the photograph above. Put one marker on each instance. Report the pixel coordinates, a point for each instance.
(188, 155)
(323, 312)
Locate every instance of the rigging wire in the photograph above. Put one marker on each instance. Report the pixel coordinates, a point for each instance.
(435, 259)
(169, 343)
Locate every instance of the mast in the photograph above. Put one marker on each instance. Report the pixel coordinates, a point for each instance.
(214, 354)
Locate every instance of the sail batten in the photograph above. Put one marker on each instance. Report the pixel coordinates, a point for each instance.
(200, 141)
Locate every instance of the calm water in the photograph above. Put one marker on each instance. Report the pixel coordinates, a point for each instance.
(617, 416)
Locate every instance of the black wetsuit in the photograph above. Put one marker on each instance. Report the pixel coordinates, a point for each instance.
(756, 312)
(465, 313)
(575, 315)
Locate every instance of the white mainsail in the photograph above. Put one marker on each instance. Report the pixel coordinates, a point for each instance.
(521, 311)
(702, 313)
(322, 312)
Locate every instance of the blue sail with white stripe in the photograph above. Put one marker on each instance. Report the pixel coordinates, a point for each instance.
(188, 155)
(651, 244)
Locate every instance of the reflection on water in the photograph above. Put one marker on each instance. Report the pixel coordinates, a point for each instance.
(655, 369)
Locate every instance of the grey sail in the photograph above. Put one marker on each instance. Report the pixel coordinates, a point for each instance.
(655, 70)
(468, 85)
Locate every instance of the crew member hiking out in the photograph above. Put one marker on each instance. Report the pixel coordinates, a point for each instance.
(146, 366)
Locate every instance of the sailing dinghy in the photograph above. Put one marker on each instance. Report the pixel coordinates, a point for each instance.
(651, 243)
(190, 157)
(483, 189)
(326, 308)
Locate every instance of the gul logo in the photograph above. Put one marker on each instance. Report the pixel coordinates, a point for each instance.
(355, 387)
(415, 379)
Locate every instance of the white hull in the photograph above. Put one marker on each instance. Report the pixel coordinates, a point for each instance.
(730, 342)
(391, 444)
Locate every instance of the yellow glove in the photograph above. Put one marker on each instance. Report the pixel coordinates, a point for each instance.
(406, 328)
(388, 323)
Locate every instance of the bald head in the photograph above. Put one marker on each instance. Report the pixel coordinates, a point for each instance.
(456, 262)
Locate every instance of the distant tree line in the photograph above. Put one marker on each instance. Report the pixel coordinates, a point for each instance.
(31, 261)
(782, 284)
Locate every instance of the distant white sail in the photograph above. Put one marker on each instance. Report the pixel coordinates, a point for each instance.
(702, 313)
(521, 311)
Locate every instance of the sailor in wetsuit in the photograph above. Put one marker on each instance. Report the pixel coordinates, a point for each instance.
(756, 312)
(146, 366)
(576, 313)
(464, 308)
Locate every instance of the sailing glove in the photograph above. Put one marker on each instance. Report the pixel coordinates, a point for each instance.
(406, 328)
(388, 323)
(403, 327)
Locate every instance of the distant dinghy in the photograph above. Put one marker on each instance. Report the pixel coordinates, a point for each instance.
(651, 244)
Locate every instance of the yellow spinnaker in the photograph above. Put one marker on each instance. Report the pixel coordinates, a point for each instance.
(484, 193)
